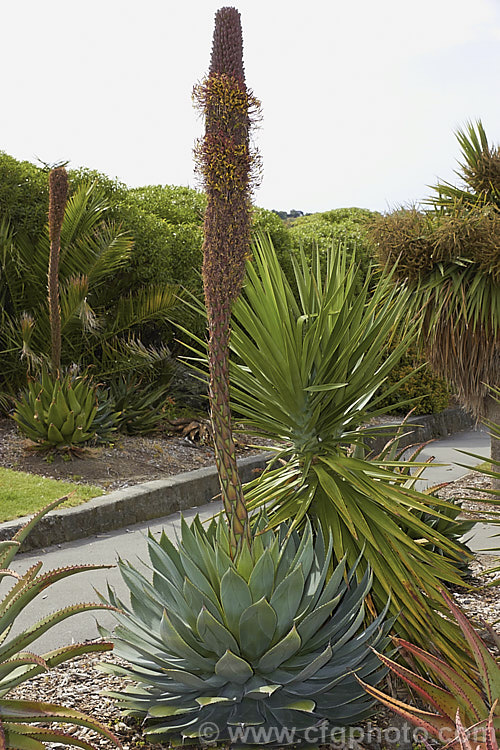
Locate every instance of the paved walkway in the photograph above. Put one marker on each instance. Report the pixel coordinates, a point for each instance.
(130, 544)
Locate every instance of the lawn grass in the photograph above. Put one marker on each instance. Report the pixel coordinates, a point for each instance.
(485, 466)
(23, 494)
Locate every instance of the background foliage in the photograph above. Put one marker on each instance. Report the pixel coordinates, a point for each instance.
(165, 223)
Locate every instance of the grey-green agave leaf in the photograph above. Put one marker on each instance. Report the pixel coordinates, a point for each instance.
(269, 637)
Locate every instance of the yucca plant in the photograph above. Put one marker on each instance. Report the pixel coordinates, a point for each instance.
(444, 519)
(57, 412)
(475, 702)
(308, 363)
(268, 641)
(23, 723)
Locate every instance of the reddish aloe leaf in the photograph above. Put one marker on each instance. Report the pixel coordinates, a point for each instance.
(26, 712)
(459, 684)
(35, 631)
(441, 699)
(488, 667)
(42, 734)
(60, 655)
(434, 724)
(23, 657)
(464, 740)
(491, 738)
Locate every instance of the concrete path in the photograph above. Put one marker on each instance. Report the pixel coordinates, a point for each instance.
(130, 544)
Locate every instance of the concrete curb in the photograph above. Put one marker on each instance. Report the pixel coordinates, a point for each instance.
(142, 502)
(425, 427)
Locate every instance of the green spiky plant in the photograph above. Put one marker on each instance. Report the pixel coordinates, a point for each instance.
(444, 519)
(227, 165)
(265, 641)
(308, 361)
(20, 719)
(57, 412)
(475, 702)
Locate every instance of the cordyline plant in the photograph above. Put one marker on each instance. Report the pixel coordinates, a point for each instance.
(228, 167)
(58, 196)
(449, 257)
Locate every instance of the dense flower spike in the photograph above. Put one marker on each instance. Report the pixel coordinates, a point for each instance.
(58, 195)
(228, 168)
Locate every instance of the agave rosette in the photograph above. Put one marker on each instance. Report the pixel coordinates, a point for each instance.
(268, 640)
(57, 412)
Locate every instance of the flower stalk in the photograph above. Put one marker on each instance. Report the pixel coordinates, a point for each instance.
(58, 196)
(228, 167)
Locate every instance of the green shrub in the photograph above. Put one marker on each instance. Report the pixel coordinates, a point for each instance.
(177, 205)
(433, 392)
(341, 225)
(24, 194)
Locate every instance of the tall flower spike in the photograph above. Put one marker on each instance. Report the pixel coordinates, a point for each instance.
(58, 195)
(228, 168)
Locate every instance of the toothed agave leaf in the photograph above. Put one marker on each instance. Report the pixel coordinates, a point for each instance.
(57, 412)
(268, 639)
(19, 719)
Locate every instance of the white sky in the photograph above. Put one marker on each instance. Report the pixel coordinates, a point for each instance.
(360, 97)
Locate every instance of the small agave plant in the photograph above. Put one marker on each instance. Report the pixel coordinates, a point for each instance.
(20, 720)
(57, 412)
(267, 641)
(461, 700)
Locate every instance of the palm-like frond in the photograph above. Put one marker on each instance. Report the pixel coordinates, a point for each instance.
(94, 317)
(307, 367)
(149, 303)
(479, 171)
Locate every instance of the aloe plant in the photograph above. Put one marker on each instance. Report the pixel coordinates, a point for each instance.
(20, 719)
(474, 702)
(57, 412)
(268, 640)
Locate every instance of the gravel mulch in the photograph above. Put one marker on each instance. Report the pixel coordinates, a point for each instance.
(80, 683)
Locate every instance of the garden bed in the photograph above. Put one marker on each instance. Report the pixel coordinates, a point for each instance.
(130, 460)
